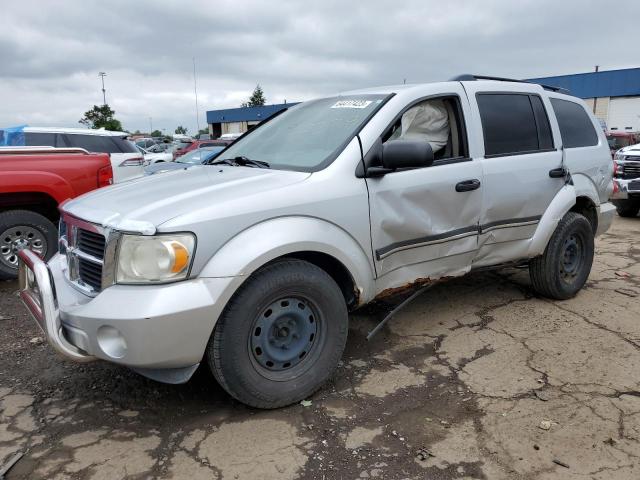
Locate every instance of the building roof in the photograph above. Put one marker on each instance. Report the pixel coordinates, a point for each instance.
(246, 114)
(609, 83)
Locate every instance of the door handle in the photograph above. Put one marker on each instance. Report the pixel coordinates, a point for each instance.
(468, 185)
(558, 172)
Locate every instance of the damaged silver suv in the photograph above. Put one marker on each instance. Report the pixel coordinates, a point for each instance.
(252, 262)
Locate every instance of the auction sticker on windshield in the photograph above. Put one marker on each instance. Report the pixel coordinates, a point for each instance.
(351, 104)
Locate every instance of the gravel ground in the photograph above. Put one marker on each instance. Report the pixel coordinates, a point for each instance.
(478, 378)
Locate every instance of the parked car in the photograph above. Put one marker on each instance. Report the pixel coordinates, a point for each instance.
(150, 158)
(618, 140)
(126, 160)
(199, 144)
(251, 263)
(230, 136)
(195, 157)
(626, 195)
(33, 182)
(145, 142)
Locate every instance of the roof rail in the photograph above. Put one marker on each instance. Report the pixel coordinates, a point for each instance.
(469, 78)
(19, 150)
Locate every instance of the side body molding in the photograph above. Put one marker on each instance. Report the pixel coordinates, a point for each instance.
(277, 237)
(561, 204)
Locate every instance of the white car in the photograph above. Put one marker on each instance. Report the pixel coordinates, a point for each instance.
(150, 157)
(126, 161)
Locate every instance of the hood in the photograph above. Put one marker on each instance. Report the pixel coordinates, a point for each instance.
(630, 149)
(143, 204)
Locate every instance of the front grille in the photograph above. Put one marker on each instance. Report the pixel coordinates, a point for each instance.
(634, 186)
(631, 170)
(91, 243)
(90, 273)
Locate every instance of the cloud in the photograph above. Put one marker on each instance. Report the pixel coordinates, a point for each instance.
(51, 52)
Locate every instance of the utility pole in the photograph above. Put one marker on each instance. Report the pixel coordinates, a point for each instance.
(150, 125)
(195, 90)
(595, 100)
(104, 95)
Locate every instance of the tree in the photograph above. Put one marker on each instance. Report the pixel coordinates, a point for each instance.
(257, 98)
(203, 131)
(156, 133)
(181, 130)
(101, 117)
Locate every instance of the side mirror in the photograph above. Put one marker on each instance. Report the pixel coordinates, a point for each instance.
(406, 154)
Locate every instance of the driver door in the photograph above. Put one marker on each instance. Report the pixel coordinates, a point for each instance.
(424, 221)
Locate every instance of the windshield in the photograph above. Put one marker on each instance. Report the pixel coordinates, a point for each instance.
(308, 136)
(200, 155)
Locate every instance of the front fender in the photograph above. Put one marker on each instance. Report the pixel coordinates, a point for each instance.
(259, 244)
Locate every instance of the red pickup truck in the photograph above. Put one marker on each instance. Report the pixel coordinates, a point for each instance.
(33, 182)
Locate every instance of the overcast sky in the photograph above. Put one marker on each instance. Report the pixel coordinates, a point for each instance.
(51, 52)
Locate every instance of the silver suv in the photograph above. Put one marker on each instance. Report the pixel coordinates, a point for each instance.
(252, 262)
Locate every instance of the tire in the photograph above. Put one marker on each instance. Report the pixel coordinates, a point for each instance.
(290, 313)
(562, 270)
(627, 208)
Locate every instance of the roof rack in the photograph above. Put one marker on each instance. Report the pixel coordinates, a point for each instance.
(469, 78)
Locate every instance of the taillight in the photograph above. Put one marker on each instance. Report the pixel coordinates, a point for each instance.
(618, 169)
(132, 162)
(105, 176)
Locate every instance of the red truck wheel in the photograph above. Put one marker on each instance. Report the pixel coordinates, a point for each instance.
(23, 228)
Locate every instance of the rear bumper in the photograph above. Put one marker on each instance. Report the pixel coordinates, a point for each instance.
(606, 212)
(155, 327)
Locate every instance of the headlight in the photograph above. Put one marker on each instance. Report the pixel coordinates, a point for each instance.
(618, 156)
(159, 258)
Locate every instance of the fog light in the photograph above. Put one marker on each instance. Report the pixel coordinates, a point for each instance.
(111, 342)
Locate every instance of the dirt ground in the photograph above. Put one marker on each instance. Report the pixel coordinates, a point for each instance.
(478, 378)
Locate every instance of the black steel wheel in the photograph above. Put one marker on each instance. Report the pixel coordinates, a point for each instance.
(562, 270)
(281, 335)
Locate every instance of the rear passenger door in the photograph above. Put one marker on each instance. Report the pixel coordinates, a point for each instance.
(518, 152)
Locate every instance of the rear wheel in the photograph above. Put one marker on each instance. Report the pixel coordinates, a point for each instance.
(562, 270)
(24, 229)
(281, 335)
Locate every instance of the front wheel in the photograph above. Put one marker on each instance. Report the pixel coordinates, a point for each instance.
(281, 335)
(627, 208)
(562, 270)
(24, 229)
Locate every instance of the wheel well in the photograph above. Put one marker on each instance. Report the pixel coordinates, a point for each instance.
(334, 268)
(585, 207)
(35, 201)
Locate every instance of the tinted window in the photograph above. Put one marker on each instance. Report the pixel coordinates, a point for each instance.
(34, 139)
(545, 138)
(575, 125)
(99, 143)
(508, 123)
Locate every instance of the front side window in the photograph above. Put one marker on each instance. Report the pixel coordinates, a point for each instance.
(508, 124)
(575, 125)
(308, 136)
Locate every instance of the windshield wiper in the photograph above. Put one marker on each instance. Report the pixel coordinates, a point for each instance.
(240, 161)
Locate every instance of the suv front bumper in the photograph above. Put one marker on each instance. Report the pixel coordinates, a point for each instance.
(626, 188)
(149, 328)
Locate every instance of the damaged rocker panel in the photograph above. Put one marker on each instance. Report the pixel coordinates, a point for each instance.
(456, 234)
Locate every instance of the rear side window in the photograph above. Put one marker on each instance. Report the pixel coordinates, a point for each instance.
(35, 139)
(508, 123)
(575, 125)
(99, 143)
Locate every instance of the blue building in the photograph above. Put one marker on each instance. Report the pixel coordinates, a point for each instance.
(239, 120)
(613, 95)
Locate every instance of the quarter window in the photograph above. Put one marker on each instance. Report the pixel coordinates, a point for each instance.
(575, 125)
(510, 125)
